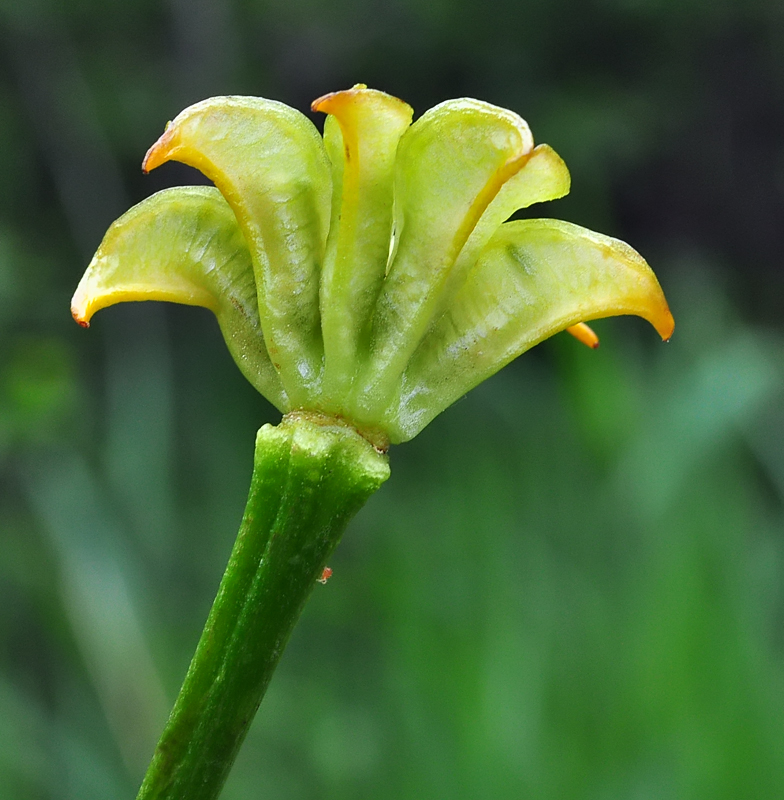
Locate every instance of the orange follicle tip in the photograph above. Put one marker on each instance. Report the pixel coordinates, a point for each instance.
(583, 333)
(666, 326)
(159, 153)
(326, 102)
(80, 309)
(336, 101)
(79, 319)
(322, 103)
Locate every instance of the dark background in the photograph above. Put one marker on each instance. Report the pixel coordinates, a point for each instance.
(573, 584)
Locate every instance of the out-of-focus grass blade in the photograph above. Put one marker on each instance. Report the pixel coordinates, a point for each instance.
(24, 763)
(44, 755)
(139, 448)
(714, 398)
(94, 574)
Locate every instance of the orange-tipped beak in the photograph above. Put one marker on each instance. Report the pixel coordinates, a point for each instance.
(664, 324)
(161, 151)
(583, 333)
(79, 319)
(334, 101)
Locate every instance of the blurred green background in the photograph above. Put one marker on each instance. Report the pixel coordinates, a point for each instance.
(573, 584)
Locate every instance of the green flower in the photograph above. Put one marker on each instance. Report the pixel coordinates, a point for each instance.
(371, 275)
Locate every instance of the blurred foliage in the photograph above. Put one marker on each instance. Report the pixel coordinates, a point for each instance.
(573, 585)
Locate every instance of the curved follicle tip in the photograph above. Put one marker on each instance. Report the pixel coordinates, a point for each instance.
(80, 309)
(583, 333)
(327, 102)
(667, 328)
(160, 151)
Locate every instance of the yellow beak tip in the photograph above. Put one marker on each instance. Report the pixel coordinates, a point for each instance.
(160, 152)
(666, 327)
(151, 159)
(320, 103)
(334, 101)
(81, 309)
(585, 334)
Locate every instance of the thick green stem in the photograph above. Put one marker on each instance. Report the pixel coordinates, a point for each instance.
(310, 476)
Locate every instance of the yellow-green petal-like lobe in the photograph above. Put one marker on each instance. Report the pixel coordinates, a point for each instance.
(451, 164)
(534, 278)
(269, 162)
(183, 245)
(361, 136)
(542, 177)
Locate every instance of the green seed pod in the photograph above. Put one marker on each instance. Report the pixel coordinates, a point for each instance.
(379, 260)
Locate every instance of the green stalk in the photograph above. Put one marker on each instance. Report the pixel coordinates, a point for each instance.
(311, 475)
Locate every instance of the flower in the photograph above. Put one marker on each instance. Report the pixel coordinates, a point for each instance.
(372, 275)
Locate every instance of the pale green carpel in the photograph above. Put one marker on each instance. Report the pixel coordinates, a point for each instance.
(363, 282)
(509, 303)
(270, 164)
(183, 245)
(361, 134)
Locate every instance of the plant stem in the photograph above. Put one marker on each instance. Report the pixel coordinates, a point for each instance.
(310, 476)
